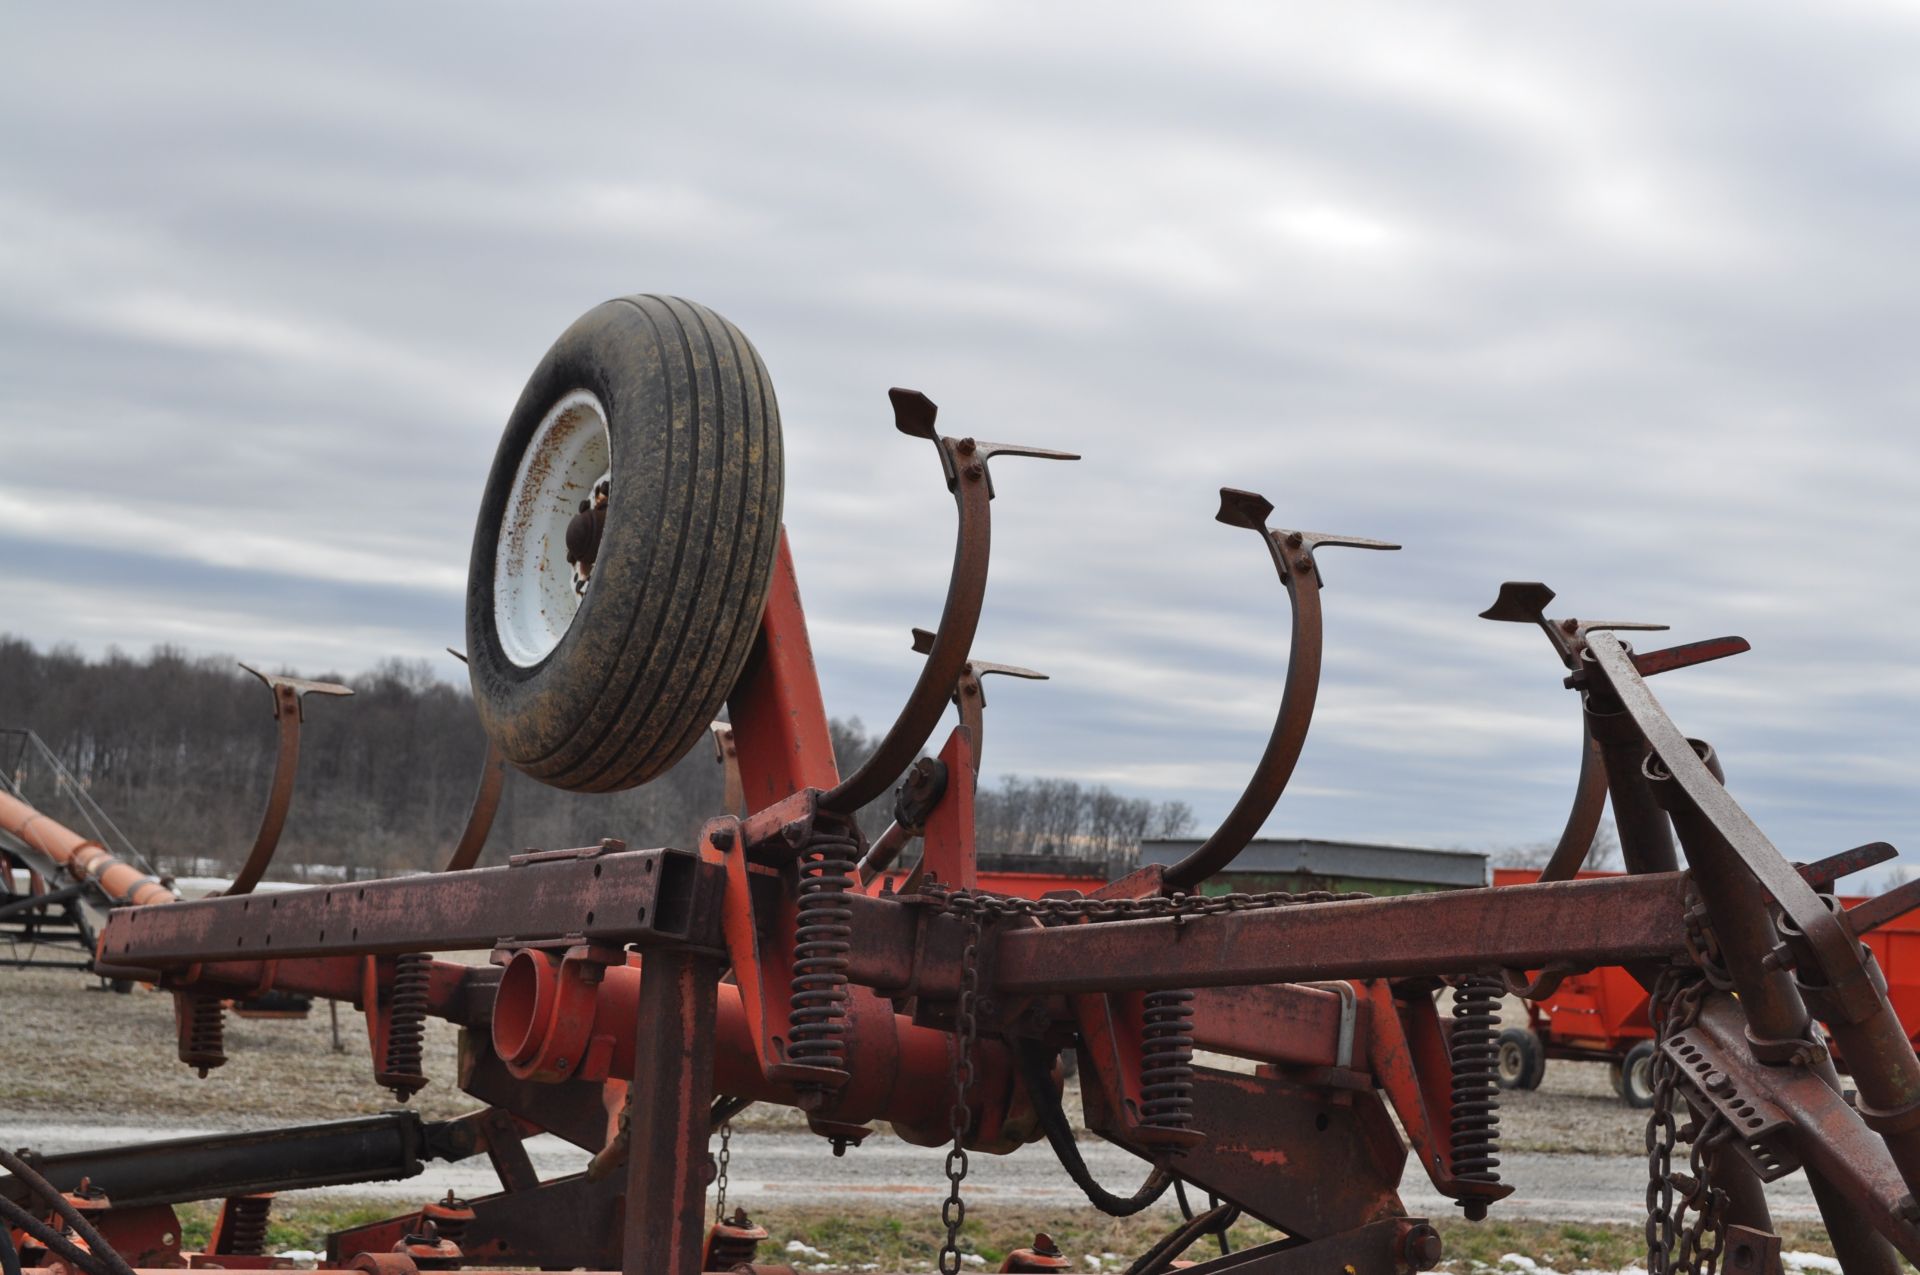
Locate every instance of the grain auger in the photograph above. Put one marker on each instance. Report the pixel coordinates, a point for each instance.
(640, 997)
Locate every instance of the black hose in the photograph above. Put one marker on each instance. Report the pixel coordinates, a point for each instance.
(1036, 1073)
(1229, 1217)
(1180, 1239)
(9, 1256)
(49, 1238)
(102, 1250)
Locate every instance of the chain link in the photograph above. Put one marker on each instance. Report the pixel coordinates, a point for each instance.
(973, 909)
(1694, 1245)
(1061, 911)
(720, 1178)
(965, 1030)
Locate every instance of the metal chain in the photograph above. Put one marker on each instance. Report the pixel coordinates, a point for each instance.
(973, 908)
(1696, 1247)
(1060, 911)
(720, 1178)
(954, 1211)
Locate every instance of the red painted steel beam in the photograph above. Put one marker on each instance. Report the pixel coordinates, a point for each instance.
(618, 896)
(672, 1091)
(780, 734)
(1596, 922)
(1288, 1023)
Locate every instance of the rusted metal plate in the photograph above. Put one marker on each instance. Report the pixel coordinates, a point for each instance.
(1311, 1161)
(630, 896)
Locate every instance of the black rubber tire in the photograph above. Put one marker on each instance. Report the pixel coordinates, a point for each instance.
(1635, 1081)
(685, 564)
(1521, 1062)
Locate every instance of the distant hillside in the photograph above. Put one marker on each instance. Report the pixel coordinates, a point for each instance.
(179, 750)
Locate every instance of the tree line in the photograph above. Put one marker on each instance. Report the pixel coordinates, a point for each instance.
(179, 749)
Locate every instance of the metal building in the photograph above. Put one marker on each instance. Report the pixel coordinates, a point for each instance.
(1281, 863)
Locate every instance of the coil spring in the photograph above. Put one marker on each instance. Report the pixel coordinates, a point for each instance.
(818, 1008)
(1166, 1060)
(407, 1024)
(243, 1224)
(1474, 1052)
(733, 1243)
(203, 1037)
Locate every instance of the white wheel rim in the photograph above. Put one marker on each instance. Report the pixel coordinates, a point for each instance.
(533, 598)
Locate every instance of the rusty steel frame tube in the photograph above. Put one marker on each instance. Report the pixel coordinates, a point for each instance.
(902, 1066)
(1835, 951)
(628, 896)
(1608, 921)
(1646, 836)
(1774, 1010)
(672, 1089)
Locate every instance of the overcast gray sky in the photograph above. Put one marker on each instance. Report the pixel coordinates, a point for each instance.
(1619, 297)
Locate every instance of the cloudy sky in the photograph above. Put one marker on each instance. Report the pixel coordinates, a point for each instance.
(1622, 299)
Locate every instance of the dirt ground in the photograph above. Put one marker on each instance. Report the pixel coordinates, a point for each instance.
(72, 1052)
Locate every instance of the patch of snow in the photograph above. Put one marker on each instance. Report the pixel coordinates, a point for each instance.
(304, 1258)
(973, 1259)
(1519, 1261)
(801, 1248)
(1093, 1262)
(1810, 1262)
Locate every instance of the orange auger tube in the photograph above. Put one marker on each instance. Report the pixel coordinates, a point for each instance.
(67, 853)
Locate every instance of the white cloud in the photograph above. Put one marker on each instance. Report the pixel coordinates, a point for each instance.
(1614, 298)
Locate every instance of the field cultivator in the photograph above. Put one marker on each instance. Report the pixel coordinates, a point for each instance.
(639, 997)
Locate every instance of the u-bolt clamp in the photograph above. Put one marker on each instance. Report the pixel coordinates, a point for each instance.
(1292, 553)
(289, 709)
(1525, 602)
(965, 462)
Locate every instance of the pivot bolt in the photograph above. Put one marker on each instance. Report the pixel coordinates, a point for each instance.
(1422, 1247)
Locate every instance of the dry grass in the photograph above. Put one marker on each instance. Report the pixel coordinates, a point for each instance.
(72, 1051)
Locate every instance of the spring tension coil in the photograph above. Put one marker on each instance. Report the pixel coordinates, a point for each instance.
(407, 1024)
(203, 1042)
(1474, 1052)
(245, 1231)
(822, 933)
(1166, 1059)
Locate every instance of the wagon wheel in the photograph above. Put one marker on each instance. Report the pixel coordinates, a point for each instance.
(600, 683)
(1520, 1063)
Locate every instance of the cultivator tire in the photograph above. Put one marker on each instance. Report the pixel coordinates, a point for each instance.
(605, 690)
(1522, 1063)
